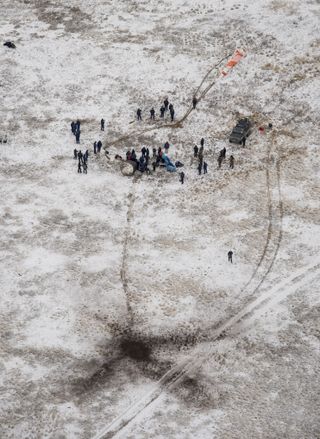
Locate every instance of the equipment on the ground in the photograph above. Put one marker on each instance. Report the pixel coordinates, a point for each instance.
(241, 131)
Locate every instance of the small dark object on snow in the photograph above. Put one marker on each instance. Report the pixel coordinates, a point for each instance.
(152, 113)
(182, 177)
(230, 253)
(102, 124)
(10, 44)
(139, 112)
(4, 139)
(202, 142)
(194, 102)
(178, 164)
(240, 131)
(231, 162)
(270, 125)
(195, 151)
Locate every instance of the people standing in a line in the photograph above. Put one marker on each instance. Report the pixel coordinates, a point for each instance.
(195, 151)
(75, 153)
(95, 148)
(102, 124)
(202, 142)
(205, 167)
(194, 102)
(78, 136)
(199, 168)
(230, 253)
(182, 177)
(166, 104)
(162, 111)
(152, 114)
(231, 161)
(139, 113)
(243, 142)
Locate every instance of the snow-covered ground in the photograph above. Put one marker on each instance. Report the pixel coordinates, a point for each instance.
(120, 315)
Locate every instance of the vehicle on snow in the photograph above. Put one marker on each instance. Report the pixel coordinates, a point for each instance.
(240, 131)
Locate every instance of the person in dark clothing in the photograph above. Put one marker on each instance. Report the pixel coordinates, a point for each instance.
(139, 112)
(86, 155)
(194, 102)
(95, 148)
(141, 164)
(230, 253)
(166, 146)
(78, 125)
(10, 44)
(154, 152)
(243, 142)
(202, 142)
(200, 168)
(133, 155)
(78, 136)
(162, 111)
(195, 151)
(80, 156)
(143, 151)
(170, 107)
(99, 145)
(205, 167)
(152, 114)
(166, 103)
(147, 156)
(79, 167)
(159, 151)
(85, 167)
(223, 153)
(220, 158)
(154, 165)
(200, 155)
(182, 177)
(231, 161)
(102, 124)
(128, 155)
(172, 114)
(73, 127)
(75, 153)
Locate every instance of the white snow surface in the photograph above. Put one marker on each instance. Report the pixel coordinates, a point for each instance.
(120, 315)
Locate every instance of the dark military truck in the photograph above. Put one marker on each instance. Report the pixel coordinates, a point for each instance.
(240, 131)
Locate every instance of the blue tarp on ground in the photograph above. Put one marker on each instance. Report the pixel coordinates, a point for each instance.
(169, 165)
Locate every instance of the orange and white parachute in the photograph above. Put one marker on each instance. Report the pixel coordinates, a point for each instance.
(233, 61)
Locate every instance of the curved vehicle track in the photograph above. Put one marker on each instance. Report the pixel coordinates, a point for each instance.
(261, 271)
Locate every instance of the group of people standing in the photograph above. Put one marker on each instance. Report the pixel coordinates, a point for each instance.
(166, 106)
(222, 157)
(82, 160)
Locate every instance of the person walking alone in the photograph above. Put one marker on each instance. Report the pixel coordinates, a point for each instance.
(230, 254)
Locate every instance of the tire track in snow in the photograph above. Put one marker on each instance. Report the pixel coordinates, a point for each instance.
(177, 373)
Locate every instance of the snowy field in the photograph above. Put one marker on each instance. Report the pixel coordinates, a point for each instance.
(120, 315)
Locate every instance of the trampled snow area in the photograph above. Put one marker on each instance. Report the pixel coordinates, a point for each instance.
(120, 314)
